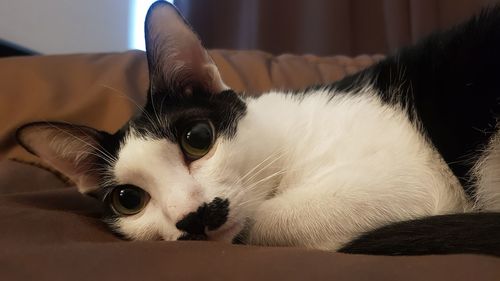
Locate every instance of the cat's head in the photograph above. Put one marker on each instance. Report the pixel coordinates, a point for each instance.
(165, 174)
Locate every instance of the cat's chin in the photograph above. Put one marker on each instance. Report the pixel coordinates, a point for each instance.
(226, 233)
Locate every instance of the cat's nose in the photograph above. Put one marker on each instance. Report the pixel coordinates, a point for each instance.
(208, 216)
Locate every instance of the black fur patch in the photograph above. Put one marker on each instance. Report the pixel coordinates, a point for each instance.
(451, 81)
(196, 237)
(110, 144)
(210, 216)
(448, 234)
(166, 111)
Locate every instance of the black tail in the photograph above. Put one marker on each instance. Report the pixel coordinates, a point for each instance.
(477, 233)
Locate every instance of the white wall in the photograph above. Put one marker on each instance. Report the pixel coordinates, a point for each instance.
(66, 26)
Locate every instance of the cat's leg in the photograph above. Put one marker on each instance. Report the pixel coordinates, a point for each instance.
(303, 218)
(325, 218)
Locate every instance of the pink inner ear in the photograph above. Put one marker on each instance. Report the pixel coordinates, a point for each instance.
(78, 171)
(176, 54)
(67, 148)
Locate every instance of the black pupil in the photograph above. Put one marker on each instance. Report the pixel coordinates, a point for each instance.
(130, 198)
(200, 136)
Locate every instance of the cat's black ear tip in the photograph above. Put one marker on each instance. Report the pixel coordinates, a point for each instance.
(160, 4)
(156, 13)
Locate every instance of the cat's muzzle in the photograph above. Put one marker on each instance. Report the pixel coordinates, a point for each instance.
(208, 216)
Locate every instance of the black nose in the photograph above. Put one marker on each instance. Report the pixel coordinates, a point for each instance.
(210, 216)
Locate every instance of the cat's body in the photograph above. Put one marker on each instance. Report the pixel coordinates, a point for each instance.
(316, 168)
(302, 136)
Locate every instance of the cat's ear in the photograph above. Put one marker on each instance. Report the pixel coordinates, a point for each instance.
(177, 60)
(70, 149)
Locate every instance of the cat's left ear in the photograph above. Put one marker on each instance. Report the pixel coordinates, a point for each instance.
(176, 58)
(73, 150)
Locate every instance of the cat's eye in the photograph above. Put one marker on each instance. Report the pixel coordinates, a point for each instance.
(128, 199)
(197, 139)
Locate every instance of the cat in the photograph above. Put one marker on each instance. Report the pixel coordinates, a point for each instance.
(406, 149)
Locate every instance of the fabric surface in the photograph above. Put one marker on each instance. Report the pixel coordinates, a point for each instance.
(51, 232)
(323, 27)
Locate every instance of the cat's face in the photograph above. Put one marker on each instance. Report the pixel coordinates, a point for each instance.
(172, 177)
(171, 172)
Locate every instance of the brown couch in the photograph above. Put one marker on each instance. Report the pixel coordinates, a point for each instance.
(50, 232)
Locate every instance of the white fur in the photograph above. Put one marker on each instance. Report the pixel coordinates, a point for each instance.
(157, 167)
(314, 171)
(487, 172)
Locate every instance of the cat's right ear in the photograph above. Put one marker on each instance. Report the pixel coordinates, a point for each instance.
(72, 150)
(176, 58)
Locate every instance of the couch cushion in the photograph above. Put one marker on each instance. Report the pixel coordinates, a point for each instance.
(56, 235)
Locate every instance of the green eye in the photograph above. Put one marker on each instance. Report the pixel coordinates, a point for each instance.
(128, 199)
(197, 140)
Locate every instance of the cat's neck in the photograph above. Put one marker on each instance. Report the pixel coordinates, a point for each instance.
(258, 153)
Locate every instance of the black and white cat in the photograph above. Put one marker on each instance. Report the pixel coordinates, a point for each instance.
(401, 158)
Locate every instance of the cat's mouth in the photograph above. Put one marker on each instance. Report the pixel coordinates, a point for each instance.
(226, 233)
